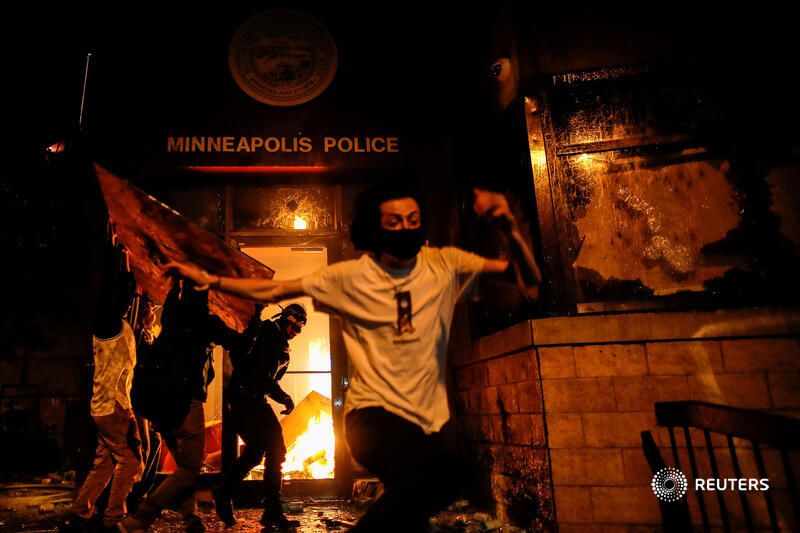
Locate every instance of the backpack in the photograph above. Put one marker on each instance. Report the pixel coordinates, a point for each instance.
(159, 392)
(169, 372)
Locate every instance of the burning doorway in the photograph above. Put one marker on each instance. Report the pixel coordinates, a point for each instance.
(308, 430)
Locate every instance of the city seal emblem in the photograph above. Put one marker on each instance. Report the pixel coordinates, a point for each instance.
(282, 57)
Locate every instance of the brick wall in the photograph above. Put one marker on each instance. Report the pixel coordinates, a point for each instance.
(599, 377)
(501, 426)
(40, 367)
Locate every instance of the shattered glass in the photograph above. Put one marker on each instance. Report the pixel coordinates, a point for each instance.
(643, 217)
(283, 208)
(615, 104)
(642, 204)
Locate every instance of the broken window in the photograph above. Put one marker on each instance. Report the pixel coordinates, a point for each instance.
(641, 196)
(283, 209)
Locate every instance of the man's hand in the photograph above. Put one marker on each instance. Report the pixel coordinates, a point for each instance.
(494, 206)
(201, 278)
(289, 405)
(259, 289)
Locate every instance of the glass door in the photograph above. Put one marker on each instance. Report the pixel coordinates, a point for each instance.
(308, 430)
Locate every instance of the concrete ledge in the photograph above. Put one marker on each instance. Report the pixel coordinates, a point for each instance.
(513, 339)
(667, 325)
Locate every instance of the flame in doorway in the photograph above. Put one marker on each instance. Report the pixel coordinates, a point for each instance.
(310, 442)
(311, 455)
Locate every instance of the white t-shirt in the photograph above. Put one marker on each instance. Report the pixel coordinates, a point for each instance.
(401, 371)
(114, 360)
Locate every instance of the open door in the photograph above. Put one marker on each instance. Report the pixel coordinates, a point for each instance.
(308, 430)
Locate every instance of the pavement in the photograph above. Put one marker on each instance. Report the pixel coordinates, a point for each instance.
(318, 517)
(315, 516)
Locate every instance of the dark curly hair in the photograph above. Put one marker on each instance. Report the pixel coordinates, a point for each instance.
(367, 214)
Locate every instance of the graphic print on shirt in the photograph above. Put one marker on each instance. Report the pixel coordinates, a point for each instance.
(404, 312)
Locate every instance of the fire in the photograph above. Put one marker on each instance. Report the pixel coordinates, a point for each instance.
(311, 455)
(309, 438)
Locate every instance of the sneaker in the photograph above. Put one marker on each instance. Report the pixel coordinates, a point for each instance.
(193, 524)
(222, 504)
(275, 519)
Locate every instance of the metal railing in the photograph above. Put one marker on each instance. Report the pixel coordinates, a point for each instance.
(761, 429)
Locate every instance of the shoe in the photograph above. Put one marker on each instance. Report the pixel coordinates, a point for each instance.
(193, 524)
(131, 525)
(274, 518)
(72, 524)
(222, 504)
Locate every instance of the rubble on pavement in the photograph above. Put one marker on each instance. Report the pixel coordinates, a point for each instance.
(315, 516)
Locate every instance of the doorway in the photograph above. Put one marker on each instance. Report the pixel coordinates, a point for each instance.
(308, 430)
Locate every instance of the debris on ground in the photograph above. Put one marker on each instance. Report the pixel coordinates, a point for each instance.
(460, 504)
(314, 516)
(367, 490)
(333, 523)
(492, 524)
(461, 519)
(47, 507)
(26, 497)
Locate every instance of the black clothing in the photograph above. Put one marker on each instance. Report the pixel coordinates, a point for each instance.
(142, 488)
(417, 477)
(177, 367)
(255, 375)
(190, 331)
(257, 425)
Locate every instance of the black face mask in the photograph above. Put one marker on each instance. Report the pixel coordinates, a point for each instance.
(402, 244)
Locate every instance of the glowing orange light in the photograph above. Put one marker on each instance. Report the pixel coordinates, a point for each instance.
(255, 169)
(311, 455)
(299, 223)
(538, 158)
(319, 359)
(57, 148)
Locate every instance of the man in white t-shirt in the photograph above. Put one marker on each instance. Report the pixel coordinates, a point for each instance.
(396, 303)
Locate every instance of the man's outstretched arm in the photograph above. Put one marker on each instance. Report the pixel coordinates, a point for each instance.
(258, 289)
(494, 206)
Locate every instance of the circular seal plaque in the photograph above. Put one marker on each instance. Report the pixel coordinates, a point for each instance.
(282, 57)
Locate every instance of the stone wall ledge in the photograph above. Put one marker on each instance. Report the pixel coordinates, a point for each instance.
(666, 326)
(636, 327)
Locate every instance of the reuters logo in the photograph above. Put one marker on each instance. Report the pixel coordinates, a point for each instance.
(669, 484)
